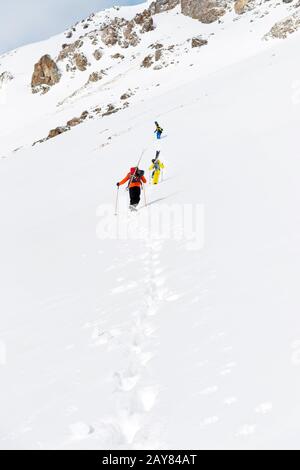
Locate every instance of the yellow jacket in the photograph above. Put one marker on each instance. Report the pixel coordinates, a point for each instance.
(158, 165)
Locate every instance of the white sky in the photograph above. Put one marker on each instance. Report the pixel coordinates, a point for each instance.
(26, 21)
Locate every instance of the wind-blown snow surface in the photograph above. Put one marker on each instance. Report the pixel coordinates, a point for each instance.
(147, 343)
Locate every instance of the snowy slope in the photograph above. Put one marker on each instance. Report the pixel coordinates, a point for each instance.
(157, 342)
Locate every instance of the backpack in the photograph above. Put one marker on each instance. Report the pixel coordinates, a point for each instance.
(135, 175)
(156, 165)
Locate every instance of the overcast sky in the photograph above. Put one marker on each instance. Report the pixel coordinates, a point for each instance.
(26, 21)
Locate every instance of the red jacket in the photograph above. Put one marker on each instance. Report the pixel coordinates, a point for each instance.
(133, 184)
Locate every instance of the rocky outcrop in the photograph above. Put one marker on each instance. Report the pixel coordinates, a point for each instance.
(158, 54)
(159, 6)
(74, 122)
(118, 56)
(78, 120)
(126, 96)
(98, 54)
(147, 62)
(57, 131)
(206, 11)
(130, 36)
(68, 50)
(109, 35)
(81, 62)
(95, 77)
(284, 28)
(241, 6)
(111, 109)
(125, 33)
(199, 42)
(76, 60)
(5, 77)
(62, 129)
(145, 20)
(46, 74)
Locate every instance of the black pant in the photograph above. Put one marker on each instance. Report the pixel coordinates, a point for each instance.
(135, 195)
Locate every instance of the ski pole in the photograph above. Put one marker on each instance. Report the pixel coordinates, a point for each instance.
(145, 195)
(117, 202)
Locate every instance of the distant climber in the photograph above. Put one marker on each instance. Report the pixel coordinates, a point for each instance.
(156, 168)
(135, 180)
(158, 131)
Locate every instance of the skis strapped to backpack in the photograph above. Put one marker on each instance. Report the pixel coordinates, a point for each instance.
(134, 178)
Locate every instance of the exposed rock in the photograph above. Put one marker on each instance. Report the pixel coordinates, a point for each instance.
(38, 142)
(45, 75)
(81, 62)
(240, 6)
(74, 122)
(68, 50)
(97, 110)
(110, 35)
(284, 28)
(126, 96)
(199, 42)
(98, 54)
(121, 32)
(95, 77)
(130, 36)
(156, 46)
(145, 20)
(57, 131)
(140, 17)
(84, 115)
(148, 25)
(111, 109)
(147, 62)
(118, 56)
(158, 55)
(5, 77)
(206, 11)
(69, 34)
(159, 6)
